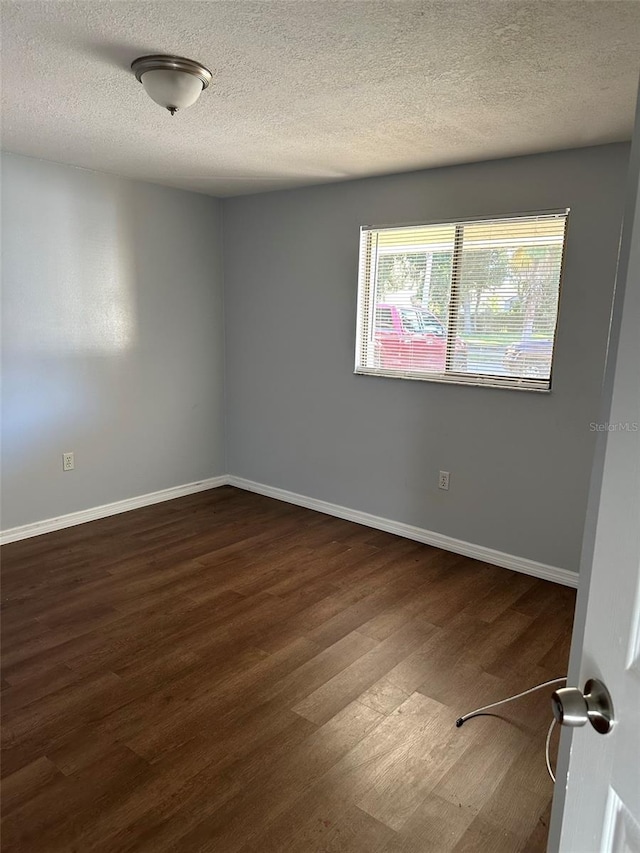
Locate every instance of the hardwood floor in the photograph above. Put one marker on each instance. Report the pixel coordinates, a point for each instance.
(228, 673)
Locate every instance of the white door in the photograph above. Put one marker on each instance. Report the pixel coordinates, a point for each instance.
(597, 798)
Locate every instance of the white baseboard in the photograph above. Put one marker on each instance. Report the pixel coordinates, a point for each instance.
(48, 525)
(419, 534)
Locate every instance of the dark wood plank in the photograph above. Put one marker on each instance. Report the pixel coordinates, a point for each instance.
(225, 672)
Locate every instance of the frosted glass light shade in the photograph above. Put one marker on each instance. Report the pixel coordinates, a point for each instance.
(174, 82)
(172, 89)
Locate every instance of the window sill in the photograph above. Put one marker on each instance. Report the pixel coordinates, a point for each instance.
(540, 386)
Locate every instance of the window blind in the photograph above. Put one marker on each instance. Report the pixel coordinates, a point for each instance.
(474, 302)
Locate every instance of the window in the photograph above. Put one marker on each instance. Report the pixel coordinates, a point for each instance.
(384, 319)
(469, 302)
(411, 321)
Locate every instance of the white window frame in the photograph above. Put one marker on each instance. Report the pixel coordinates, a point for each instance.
(367, 274)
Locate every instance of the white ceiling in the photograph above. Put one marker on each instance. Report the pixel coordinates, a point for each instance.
(310, 91)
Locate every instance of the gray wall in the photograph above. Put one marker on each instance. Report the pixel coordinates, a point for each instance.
(113, 340)
(299, 419)
(113, 347)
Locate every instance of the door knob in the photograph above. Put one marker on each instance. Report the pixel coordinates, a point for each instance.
(573, 707)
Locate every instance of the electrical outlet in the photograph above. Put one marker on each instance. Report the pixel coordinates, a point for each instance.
(443, 480)
(68, 463)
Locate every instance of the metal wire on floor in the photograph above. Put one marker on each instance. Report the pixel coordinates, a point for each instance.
(479, 711)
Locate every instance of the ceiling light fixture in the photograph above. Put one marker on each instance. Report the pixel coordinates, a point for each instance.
(171, 81)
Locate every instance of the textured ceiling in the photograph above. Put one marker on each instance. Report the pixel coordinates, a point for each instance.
(312, 91)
